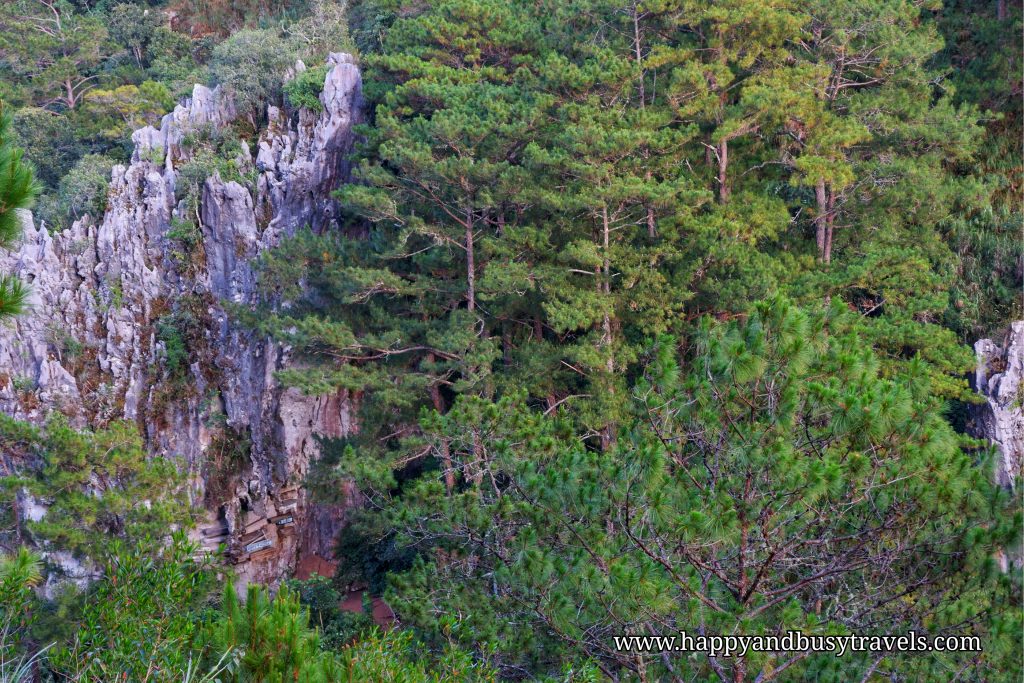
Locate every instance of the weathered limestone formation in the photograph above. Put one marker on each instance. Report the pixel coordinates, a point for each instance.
(999, 377)
(91, 347)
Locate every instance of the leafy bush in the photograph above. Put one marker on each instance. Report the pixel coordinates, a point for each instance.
(304, 90)
(271, 640)
(139, 620)
(173, 62)
(133, 26)
(251, 64)
(110, 116)
(82, 191)
(324, 29)
(175, 354)
(49, 143)
(183, 335)
(338, 627)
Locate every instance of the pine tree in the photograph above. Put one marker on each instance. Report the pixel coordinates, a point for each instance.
(54, 48)
(272, 639)
(983, 61)
(625, 169)
(776, 483)
(17, 191)
(412, 317)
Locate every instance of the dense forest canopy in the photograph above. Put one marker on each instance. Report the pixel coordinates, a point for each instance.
(657, 316)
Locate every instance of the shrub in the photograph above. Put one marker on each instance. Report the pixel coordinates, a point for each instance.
(323, 30)
(138, 620)
(48, 141)
(337, 626)
(304, 90)
(82, 191)
(251, 64)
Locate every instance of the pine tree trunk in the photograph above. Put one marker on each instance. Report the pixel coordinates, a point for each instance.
(607, 433)
(821, 220)
(476, 472)
(606, 268)
(638, 53)
(652, 231)
(723, 171)
(538, 335)
(829, 222)
(446, 454)
(470, 263)
(506, 345)
(69, 90)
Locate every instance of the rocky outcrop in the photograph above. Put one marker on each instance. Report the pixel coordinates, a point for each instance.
(999, 378)
(300, 167)
(111, 293)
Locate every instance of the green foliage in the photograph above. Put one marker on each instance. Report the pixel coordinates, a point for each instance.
(139, 620)
(174, 60)
(53, 49)
(250, 64)
(304, 90)
(18, 188)
(227, 455)
(20, 573)
(778, 480)
(337, 627)
(397, 657)
(323, 29)
(188, 238)
(183, 335)
(547, 187)
(272, 638)
(531, 223)
(49, 141)
(134, 26)
(82, 191)
(984, 67)
(272, 642)
(209, 152)
(171, 334)
(112, 115)
(149, 617)
(556, 443)
(226, 17)
(98, 486)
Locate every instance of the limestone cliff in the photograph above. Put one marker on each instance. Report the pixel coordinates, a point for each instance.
(999, 378)
(106, 291)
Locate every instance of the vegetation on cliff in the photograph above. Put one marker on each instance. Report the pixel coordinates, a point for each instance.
(657, 315)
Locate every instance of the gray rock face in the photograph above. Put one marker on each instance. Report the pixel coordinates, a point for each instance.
(299, 167)
(999, 377)
(104, 291)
